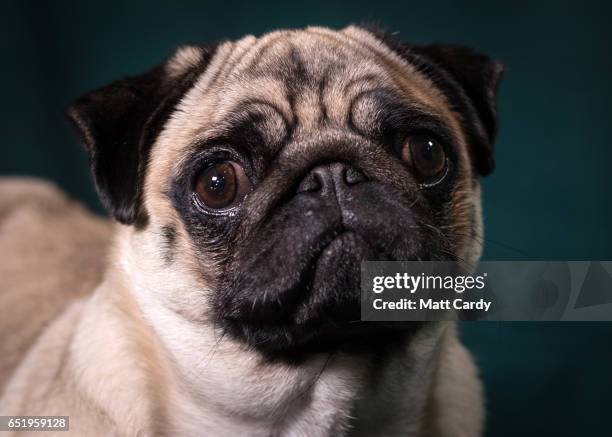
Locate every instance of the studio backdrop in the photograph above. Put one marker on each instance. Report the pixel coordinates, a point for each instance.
(548, 199)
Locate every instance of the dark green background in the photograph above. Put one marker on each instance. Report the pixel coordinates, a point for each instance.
(548, 199)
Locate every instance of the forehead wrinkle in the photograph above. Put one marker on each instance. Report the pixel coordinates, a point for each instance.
(339, 93)
(361, 83)
(308, 111)
(233, 119)
(258, 50)
(311, 93)
(240, 49)
(341, 89)
(321, 91)
(297, 49)
(265, 90)
(270, 57)
(273, 127)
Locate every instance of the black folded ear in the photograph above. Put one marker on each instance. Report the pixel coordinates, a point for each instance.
(469, 81)
(119, 123)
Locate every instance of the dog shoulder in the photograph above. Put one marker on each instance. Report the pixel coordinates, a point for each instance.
(52, 251)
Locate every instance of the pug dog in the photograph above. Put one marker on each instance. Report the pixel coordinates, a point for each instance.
(249, 180)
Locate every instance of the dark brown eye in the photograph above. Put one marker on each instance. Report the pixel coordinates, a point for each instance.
(222, 185)
(426, 156)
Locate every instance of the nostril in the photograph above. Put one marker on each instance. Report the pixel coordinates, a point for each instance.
(352, 176)
(311, 183)
(329, 178)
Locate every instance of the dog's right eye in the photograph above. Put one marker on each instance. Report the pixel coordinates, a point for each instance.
(222, 186)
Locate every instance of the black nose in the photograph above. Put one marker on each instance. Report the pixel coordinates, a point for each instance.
(331, 178)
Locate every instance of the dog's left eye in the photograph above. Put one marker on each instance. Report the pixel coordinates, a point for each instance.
(427, 158)
(222, 185)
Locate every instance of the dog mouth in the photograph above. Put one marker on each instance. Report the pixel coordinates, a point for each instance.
(320, 311)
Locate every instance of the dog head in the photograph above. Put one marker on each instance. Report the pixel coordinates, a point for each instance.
(255, 176)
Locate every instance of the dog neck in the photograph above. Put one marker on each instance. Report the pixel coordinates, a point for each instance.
(186, 377)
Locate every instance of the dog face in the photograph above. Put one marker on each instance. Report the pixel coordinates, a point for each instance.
(260, 173)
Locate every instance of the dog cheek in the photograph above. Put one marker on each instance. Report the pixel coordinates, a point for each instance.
(466, 221)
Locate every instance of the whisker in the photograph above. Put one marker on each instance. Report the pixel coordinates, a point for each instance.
(476, 237)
